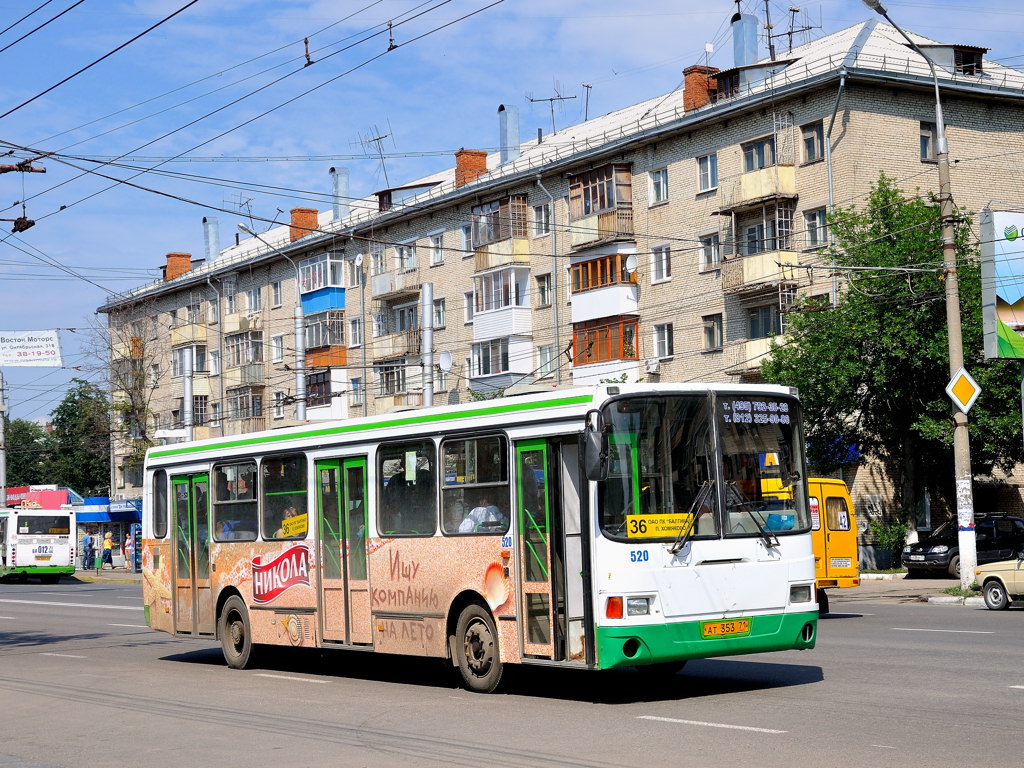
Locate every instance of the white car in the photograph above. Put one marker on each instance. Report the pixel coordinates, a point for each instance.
(1001, 583)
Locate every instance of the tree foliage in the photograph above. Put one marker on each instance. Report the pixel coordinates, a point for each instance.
(29, 447)
(872, 371)
(81, 434)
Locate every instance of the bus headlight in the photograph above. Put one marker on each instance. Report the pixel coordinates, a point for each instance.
(638, 606)
(800, 593)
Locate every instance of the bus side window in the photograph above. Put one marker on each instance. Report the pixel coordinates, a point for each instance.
(408, 489)
(284, 497)
(160, 504)
(234, 502)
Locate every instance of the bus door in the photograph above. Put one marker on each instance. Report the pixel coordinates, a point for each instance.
(840, 566)
(552, 559)
(344, 582)
(193, 590)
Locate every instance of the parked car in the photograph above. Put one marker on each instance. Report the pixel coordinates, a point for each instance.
(1001, 583)
(999, 537)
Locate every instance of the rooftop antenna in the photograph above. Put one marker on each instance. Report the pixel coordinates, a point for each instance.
(586, 103)
(768, 28)
(793, 29)
(378, 140)
(551, 102)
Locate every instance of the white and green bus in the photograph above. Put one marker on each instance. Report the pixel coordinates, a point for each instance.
(616, 526)
(37, 542)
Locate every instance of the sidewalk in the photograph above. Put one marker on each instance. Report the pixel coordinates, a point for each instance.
(116, 575)
(898, 587)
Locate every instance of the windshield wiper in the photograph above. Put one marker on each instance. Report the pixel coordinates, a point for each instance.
(734, 498)
(686, 529)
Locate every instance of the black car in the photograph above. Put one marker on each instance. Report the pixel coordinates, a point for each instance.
(999, 537)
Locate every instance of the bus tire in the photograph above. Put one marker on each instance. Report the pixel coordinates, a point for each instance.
(822, 602)
(476, 649)
(236, 634)
(49, 578)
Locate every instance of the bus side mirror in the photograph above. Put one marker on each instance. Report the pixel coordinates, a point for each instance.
(595, 447)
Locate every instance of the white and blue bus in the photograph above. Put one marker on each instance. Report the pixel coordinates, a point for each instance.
(37, 542)
(616, 526)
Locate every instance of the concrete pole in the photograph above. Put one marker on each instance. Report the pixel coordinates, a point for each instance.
(3, 445)
(187, 417)
(427, 325)
(554, 278)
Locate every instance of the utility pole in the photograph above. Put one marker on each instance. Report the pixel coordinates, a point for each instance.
(3, 445)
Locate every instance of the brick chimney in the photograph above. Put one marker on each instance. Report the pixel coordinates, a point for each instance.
(304, 221)
(470, 165)
(699, 86)
(177, 265)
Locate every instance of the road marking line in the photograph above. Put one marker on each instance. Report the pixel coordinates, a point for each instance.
(1017, 686)
(133, 626)
(8, 617)
(76, 605)
(297, 679)
(950, 631)
(64, 655)
(709, 725)
(883, 746)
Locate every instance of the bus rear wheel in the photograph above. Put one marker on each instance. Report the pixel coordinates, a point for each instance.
(235, 634)
(476, 649)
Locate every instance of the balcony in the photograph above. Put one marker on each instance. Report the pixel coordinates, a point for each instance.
(595, 373)
(327, 357)
(507, 321)
(603, 226)
(741, 274)
(188, 333)
(746, 356)
(241, 321)
(758, 186)
(245, 375)
(395, 283)
(200, 384)
(512, 250)
(399, 402)
(395, 345)
(618, 299)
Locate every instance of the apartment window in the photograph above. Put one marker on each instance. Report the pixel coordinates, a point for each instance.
(200, 409)
(927, 141)
(602, 189)
(542, 220)
(214, 414)
(468, 306)
(243, 348)
(710, 252)
(440, 315)
(276, 294)
(813, 141)
(214, 312)
(544, 290)
(707, 172)
(967, 62)
(658, 186)
(279, 405)
(377, 266)
(759, 153)
(406, 318)
(600, 272)
(436, 249)
(154, 375)
(815, 228)
(546, 358)
(490, 357)
(154, 326)
(440, 380)
(214, 362)
(664, 340)
(318, 389)
(466, 235)
(499, 220)
(763, 322)
(325, 329)
(326, 270)
(358, 395)
(406, 255)
(712, 332)
(772, 231)
(354, 272)
(194, 313)
(231, 303)
(390, 380)
(661, 264)
(600, 340)
(180, 356)
(355, 333)
(500, 289)
(244, 403)
(276, 349)
(173, 319)
(253, 300)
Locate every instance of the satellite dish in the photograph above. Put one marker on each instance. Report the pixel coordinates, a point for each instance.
(631, 263)
(359, 259)
(444, 361)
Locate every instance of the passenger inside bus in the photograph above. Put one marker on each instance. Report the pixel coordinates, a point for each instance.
(485, 516)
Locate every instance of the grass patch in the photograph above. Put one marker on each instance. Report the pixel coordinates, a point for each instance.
(959, 591)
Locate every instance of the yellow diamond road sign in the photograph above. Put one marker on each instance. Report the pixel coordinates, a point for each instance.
(963, 390)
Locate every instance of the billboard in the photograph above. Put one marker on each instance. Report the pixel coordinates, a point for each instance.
(1002, 282)
(24, 348)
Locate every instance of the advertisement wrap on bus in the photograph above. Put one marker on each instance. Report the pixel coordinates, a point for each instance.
(37, 542)
(617, 526)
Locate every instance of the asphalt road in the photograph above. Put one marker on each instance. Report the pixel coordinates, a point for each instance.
(893, 681)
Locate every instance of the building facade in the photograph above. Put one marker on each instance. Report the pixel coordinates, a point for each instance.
(665, 241)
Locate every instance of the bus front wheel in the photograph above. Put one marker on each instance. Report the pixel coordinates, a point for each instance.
(476, 649)
(235, 634)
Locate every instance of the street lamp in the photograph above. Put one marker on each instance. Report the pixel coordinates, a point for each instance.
(300, 330)
(961, 444)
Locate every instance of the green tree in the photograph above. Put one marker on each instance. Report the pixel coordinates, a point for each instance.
(872, 371)
(28, 447)
(81, 433)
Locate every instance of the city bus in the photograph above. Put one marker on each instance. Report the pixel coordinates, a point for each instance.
(37, 542)
(598, 528)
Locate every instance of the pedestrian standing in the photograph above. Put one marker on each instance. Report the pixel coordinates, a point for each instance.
(108, 550)
(88, 551)
(129, 551)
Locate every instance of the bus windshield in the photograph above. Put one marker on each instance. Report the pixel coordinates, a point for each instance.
(44, 525)
(667, 477)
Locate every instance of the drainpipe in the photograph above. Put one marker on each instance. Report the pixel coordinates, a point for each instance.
(554, 279)
(828, 171)
(220, 356)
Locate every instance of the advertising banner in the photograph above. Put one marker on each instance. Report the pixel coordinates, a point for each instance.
(30, 348)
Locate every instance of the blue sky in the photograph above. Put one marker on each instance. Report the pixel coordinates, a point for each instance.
(195, 100)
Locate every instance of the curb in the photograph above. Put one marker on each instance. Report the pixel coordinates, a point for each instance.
(974, 602)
